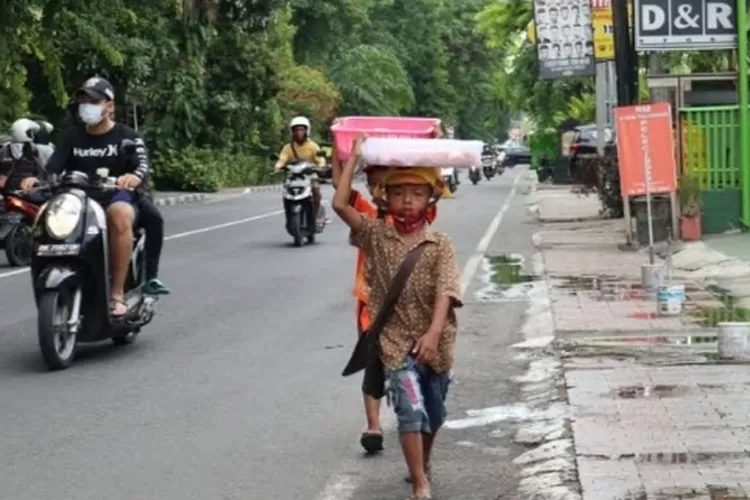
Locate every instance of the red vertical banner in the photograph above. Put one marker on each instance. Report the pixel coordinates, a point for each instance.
(645, 149)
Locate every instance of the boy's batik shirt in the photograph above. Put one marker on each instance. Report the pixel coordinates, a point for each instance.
(361, 289)
(436, 274)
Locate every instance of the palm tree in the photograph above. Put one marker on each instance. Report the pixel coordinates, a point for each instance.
(372, 81)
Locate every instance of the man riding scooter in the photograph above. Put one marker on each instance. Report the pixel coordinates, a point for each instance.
(302, 148)
(92, 144)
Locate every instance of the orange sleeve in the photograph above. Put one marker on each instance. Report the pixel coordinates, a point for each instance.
(362, 205)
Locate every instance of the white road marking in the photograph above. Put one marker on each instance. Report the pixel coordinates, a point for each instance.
(185, 234)
(221, 226)
(177, 236)
(13, 273)
(470, 269)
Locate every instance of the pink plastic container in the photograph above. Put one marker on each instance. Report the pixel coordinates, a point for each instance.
(345, 129)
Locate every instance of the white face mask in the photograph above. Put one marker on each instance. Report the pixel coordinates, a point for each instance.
(91, 114)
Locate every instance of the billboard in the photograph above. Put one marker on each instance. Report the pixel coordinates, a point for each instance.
(564, 38)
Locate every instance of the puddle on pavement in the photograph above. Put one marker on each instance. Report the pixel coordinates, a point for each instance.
(646, 340)
(688, 493)
(649, 391)
(505, 279)
(612, 288)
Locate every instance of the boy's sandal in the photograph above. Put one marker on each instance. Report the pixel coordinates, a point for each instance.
(427, 471)
(420, 497)
(372, 442)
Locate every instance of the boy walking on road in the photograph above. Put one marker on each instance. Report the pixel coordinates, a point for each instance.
(373, 383)
(417, 341)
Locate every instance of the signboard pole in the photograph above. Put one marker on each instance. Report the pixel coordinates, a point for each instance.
(742, 83)
(601, 104)
(647, 177)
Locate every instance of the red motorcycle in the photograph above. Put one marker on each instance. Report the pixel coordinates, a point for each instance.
(16, 222)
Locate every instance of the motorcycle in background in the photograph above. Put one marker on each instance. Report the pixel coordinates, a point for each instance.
(474, 174)
(488, 166)
(500, 162)
(301, 223)
(449, 178)
(16, 223)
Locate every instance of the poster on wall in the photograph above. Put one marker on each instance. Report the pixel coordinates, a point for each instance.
(564, 38)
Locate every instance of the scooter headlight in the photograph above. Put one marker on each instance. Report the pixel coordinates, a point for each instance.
(62, 215)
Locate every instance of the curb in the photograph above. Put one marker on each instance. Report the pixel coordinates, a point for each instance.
(183, 199)
(179, 200)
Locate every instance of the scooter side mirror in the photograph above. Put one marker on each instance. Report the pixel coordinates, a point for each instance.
(274, 157)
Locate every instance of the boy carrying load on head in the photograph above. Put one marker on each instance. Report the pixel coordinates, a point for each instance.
(373, 383)
(417, 341)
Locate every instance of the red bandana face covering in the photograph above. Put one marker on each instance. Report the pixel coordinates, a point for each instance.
(407, 224)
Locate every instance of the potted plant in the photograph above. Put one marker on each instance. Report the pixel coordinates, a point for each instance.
(690, 208)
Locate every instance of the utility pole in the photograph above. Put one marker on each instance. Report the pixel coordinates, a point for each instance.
(625, 60)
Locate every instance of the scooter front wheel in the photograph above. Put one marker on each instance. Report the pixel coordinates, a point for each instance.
(296, 230)
(56, 342)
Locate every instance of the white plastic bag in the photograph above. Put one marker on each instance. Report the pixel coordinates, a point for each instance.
(422, 152)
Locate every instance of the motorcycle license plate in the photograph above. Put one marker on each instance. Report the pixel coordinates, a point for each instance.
(301, 183)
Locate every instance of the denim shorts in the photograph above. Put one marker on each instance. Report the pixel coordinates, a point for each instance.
(417, 394)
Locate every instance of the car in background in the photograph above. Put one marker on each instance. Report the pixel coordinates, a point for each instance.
(516, 155)
(583, 144)
(585, 138)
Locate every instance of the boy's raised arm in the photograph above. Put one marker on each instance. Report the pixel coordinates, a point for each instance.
(335, 168)
(341, 197)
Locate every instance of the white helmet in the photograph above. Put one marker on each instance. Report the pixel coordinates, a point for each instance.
(300, 121)
(23, 130)
(47, 126)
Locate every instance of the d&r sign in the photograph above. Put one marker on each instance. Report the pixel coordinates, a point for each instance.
(663, 25)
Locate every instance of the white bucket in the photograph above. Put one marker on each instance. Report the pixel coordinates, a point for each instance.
(652, 277)
(734, 340)
(671, 300)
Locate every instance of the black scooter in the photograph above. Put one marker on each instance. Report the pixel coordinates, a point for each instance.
(70, 270)
(488, 166)
(475, 175)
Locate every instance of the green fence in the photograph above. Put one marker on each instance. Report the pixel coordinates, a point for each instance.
(710, 145)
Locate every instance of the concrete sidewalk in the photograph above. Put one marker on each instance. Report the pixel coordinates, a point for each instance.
(652, 415)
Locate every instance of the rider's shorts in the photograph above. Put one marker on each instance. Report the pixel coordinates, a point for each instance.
(125, 196)
(418, 394)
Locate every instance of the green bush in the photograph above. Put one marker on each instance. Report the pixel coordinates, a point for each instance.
(207, 170)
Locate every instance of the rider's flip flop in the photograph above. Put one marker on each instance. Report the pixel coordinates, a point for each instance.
(113, 305)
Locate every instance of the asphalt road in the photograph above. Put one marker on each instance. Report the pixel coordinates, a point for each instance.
(234, 392)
